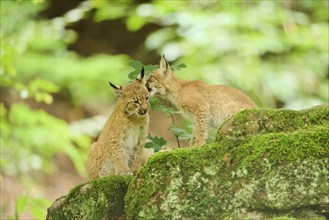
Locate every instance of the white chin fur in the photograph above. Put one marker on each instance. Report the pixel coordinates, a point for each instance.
(157, 91)
(152, 93)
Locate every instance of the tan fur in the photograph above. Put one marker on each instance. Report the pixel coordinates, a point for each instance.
(208, 105)
(119, 148)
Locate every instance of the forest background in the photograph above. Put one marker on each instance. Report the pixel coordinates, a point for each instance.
(57, 58)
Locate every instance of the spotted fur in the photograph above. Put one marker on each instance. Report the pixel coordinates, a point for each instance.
(206, 104)
(119, 148)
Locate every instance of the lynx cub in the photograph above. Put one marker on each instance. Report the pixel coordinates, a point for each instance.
(208, 105)
(119, 147)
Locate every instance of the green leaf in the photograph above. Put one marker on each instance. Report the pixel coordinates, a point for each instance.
(132, 75)
(154, 103)
(181, 133)
(39, 207)
(137, 65)
(150, 68)
(178, 66)
(20, 205)
(158, 140)
(151, 145)
(164, 109)
(155, 142)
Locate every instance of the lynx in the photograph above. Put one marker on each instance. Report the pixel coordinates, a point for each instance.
(207, 104)
(119, 148)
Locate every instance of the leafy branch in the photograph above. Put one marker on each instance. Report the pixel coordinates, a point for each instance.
(137, 65)
(180, 134)
(173, 123)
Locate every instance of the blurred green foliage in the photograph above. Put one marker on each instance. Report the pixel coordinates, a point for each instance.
(277, 51)
(30, 139)
(36, 205)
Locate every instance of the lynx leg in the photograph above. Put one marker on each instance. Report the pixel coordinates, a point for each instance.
(200, 130)
(92, 165)
(138, 157)
(120, 162)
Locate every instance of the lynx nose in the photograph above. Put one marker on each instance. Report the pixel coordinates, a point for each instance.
(145, 111)
(142, 111)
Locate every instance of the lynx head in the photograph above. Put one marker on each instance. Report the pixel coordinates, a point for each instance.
(134, 96)
(160, 79)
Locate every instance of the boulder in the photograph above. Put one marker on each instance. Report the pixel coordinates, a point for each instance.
(264, 164)
(101, 198)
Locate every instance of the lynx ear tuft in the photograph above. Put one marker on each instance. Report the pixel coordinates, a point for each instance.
(164, 66)
(140, 76)
(117, 89)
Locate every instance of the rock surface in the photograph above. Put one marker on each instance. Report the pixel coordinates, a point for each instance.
(264, 164)
(102, 198)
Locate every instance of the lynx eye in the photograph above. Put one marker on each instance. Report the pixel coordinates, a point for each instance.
(136, 101)
(154, 79)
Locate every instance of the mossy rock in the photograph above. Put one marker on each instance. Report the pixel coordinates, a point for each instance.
(260, 121)
(101, 198)
(263, 164)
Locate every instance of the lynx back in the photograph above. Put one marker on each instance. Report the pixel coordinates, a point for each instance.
(207, 104)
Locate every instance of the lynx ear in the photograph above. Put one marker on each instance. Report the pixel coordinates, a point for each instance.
(140, 76)
(117, 89)
(164, 66)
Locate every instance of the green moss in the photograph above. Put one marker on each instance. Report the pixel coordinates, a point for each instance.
(98, 199)
(284, 215)
(278, 148)
(166, 174)
(263, 162)
(259, 121)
